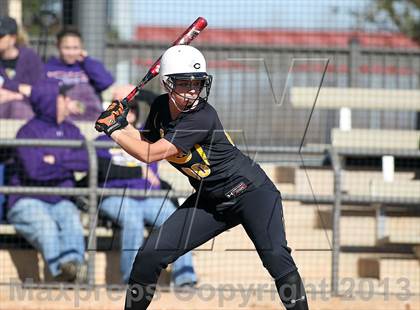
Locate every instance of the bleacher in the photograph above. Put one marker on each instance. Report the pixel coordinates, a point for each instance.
(390, 216)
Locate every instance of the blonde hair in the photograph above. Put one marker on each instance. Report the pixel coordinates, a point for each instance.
(22, 37)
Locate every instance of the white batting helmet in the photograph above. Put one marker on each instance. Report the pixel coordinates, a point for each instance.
(184, 62)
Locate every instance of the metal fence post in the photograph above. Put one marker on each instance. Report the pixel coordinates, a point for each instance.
(336, 163)
(92, 23)
(93, 202)
(354, 62)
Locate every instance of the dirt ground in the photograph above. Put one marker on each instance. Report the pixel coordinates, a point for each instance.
(14, 298)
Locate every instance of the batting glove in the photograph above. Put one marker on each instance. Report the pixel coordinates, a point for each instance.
(113, 118)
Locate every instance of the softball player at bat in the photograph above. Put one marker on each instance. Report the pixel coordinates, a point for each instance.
(230, 189)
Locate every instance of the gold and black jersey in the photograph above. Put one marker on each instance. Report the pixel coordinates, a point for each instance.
(208, 154)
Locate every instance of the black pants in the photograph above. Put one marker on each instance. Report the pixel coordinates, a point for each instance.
(198, 220)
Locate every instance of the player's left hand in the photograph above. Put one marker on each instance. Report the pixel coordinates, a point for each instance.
(113, 118)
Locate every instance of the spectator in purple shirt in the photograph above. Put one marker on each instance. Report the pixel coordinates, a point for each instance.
(20, 68)
(51, 223)
(74, 67)
(117, 169)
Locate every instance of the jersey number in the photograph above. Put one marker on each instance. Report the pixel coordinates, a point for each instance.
(197, 171)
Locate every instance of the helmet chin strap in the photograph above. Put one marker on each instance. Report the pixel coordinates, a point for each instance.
(175, 104)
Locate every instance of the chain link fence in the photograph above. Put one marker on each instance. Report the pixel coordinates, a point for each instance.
(331, 115)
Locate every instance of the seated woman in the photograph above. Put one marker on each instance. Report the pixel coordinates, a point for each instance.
(74, 67)
(51, 223)
(20, 68)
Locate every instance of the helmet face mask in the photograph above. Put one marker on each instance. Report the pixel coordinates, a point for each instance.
(181, 67)
(181, 86)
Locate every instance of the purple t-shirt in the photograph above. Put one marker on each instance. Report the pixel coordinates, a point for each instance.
(29, 70)
(89, 79)
(119, 158)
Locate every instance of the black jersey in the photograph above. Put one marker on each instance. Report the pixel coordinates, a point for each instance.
(208, 155)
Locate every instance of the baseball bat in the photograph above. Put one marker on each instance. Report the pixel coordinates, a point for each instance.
(184, 39)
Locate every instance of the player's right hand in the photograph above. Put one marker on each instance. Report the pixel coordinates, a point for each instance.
(113, 118)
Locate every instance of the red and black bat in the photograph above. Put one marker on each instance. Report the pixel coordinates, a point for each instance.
(184, 39)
